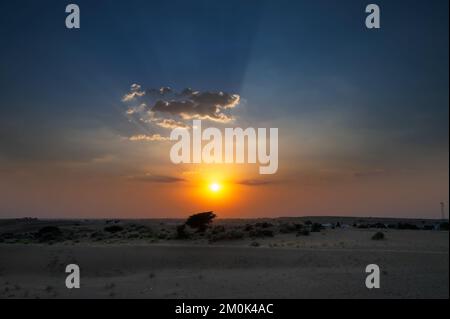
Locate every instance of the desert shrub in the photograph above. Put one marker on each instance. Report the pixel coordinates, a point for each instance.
(162, 236)
(308, 222)
(49, 230)
(378, 225)
(363, 226)
(264, 225)
(407, 226)
(443, 226)
(316, 227)
(200, 221)
(378, 236)
(6, 236)
(255, 244)
(143, 228)
(181, 232)
(133, 235)
(218, 229)
(234, 234)
(49, 233)
(303, 232)
(97, 235)
(287, 228)
(144, 231)
(248, 227)
(261, 233)
(113, 229)
(229, 235)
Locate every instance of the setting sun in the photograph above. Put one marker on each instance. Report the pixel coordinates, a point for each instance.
(215, 187)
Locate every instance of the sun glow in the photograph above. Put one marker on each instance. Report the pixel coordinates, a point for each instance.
(215, 187)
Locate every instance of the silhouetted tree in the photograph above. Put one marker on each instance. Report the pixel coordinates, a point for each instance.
(200, 221)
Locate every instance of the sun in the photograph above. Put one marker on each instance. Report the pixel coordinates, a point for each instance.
(215, 187)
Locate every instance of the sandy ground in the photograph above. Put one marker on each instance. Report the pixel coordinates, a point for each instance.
(329, 264)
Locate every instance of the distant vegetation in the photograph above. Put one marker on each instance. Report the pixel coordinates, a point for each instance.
(378, 236)
(49, 233)
(201, 227)
(113, 229)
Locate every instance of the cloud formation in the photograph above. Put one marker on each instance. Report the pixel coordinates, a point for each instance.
(135, 91)
(200, 105)
(150, 178)
(147, 138)
(255, 182)
(165, 108)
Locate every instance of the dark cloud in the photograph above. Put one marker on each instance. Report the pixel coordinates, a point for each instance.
(150, 178)
(161, 92)
(167, 104)
(255, 182)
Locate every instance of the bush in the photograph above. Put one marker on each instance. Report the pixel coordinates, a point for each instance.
(261, 233)
(378, 225)
(264, 225)
(200, 221)
(133, 235)
(97, 236)
(162, 235)
(303, 232)
(229, 235)
(407, 226)
(113, 229)
(443, 226)
(378, 236)
(181, 232)
(287, 228)
(218, 229)
(316, 227)
(49, 233)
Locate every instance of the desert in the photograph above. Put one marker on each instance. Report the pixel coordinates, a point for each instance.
(309, 257)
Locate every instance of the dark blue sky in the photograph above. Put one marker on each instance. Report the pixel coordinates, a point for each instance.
(291, 57)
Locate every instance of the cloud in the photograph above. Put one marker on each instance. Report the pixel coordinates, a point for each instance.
(136, 109)
(200, 105)
(166, 109)
(150, 178)
(170, 124)
(165, 104)
(135, 91)
(147, 138)
(255, 182)
(163, 91)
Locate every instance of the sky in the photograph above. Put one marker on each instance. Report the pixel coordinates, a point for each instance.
(85, 114)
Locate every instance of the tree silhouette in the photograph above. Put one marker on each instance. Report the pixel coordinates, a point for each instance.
(200, 221)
